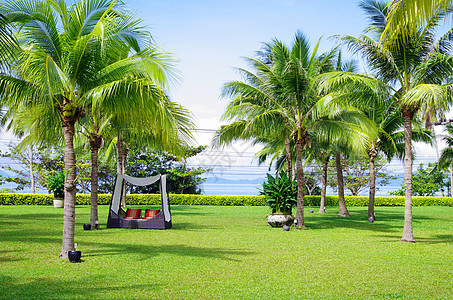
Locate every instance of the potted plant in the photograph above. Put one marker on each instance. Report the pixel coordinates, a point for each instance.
(56, 185)
(280, 193)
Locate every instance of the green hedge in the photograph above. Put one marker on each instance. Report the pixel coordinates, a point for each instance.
(177, 199)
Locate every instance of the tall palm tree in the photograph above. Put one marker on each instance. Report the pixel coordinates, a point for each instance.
(446, 156)
(68, 63)
(279, 97)
(411, 75)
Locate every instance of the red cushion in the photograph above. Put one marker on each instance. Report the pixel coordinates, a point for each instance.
(133, 213)
(151, 213)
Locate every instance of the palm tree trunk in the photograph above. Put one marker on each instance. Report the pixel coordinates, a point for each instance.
(70, 190)
(95, 144)
(289, 163)
(32, 177)
(119, 166)
(124, 159)
(372, 155)
(300, 186)
(407, 232)
(322, 205)
(123, 171)
(119, 155)
(451, 181)
(343, 210)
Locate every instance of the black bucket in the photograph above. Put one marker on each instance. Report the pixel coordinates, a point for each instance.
(74, 256)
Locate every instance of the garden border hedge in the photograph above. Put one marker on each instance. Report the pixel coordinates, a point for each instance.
(178, 199)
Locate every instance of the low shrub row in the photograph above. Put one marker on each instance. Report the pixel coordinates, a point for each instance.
(177, 199)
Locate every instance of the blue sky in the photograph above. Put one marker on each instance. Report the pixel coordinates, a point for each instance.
(210, 38)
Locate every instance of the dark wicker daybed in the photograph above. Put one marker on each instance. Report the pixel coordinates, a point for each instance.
(154, 219)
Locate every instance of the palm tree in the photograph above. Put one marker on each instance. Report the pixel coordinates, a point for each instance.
(446, 156)
(405, 17)
(7, 39)
(148, 131)
(411, 75)
(322, 152)
(279, 98)
(68, 63)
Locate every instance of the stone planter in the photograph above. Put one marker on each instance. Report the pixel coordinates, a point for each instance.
(280, 219)
(58, 202)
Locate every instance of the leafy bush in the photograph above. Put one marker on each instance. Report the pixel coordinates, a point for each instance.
(56, 185)
(218, 200)
(280, 193)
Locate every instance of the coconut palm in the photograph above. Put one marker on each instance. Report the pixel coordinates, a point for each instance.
(406, 16)
(69, 61)
(279, 97)
(148, 131)
(446, 156)
(411, 75)
(7, 39)
(321, 152)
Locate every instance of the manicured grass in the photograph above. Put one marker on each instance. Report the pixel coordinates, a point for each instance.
(229, 253)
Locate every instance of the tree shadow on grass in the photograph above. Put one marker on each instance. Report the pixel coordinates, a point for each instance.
(386, 221)
(434, 239)
(31, 216)
(191, 226)
(150, 251)
(176, 226)
(32, 235)
(192, 210)
(70, 288)
(6, 257)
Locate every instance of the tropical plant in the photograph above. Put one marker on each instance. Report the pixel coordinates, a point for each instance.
(69, 62)
(56, 184)
(411, 74)
(446, 156)
(7, 40)
(342, 146)
(280, 192)
(407, 16)
(279, 100)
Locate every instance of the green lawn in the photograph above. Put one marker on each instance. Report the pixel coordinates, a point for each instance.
(229, 253)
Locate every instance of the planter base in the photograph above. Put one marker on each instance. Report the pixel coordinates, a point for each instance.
(58, 203)
(280, 219)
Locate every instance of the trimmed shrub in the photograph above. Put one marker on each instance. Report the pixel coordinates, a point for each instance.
(219, 200)
(21, 199)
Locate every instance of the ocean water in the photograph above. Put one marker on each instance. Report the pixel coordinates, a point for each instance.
(251, 187)
(230, 189)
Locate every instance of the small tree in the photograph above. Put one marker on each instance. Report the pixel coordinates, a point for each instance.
(426, 181)
(357, 175)
(180, 180)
